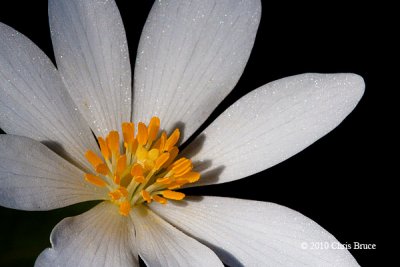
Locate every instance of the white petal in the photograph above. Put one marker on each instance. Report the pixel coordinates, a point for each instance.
(98, 237)
(34, 102)
(273, 123)
(92, 56)
(32, 177)
(161, 244)
(190, 55)
(252, 233)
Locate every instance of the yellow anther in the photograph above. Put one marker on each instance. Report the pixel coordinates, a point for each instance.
(96, 180)
(161, 142)
(174, 186)
(104, 148)
(128, 131)
(115, 195)
(161, 160)
(146, 196)
(172, 140)
(102, 169)
(184, 171)
(142, 134)
(141, 153)
(125, 208)
(137, 170)
(93, 159)
(165, 180)
(153, 154)
(172, 155)
(134, 145)
(173, 195)
(118, 193)
(154, 126)
(113, 142)
(191, 177)
(148, 165)
(182, 166)
(178, 162)
(139, 179)
(159, 199)
(121, 165)
(177, 184)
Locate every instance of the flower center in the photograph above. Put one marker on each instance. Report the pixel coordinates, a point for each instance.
(145, 169)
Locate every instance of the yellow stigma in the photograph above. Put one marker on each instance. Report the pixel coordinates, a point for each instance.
(140, 168)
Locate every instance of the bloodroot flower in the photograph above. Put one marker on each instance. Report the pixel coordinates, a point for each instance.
(191, 54)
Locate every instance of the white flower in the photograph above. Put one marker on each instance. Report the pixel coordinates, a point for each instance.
(190, 56)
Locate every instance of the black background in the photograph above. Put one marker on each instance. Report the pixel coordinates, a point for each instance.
(336, 181)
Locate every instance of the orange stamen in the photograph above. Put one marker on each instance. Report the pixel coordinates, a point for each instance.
(125, 208)
(142, 133)
(159, 199)
(154, 126)
(96, 180)
(104, 148)
(128, 131)
(93, 159)
(113, 142)
(146, 196)
(173, 195)
(161, 160)
(172, 140)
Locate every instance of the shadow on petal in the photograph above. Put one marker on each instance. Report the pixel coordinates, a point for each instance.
(195, 146)
(225, 256)
(59, 150)
(211, 176)
(55, 146)
(184, 202)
